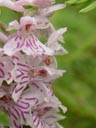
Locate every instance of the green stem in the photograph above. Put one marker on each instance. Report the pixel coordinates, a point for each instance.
(3, 28)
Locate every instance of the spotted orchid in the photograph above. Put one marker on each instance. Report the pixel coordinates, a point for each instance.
(27, 70)
(19, 112)
(5, 70)
(45, 116)
(38, 3)
(28, 65)
(10, 4)
(47, 12)
(45, 7)
(53, 40)
(24, 40)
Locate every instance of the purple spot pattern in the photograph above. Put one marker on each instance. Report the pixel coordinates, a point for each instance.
(2, 74)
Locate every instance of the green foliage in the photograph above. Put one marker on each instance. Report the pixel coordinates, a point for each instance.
(89, 4)
(3, 118)
(7, 15)
(75, 1)
(89, 7)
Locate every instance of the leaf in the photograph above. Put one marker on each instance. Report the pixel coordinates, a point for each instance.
(75, 1)
(88, 8)
(8, 15)
(3, 118)
(71, 2)
(81, 1)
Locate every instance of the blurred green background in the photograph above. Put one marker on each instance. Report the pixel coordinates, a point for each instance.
(76, 88)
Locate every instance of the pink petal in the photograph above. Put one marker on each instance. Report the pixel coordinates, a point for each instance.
(11, 47)
(34, 47)
(3, 37)
(18, 91)
(50, 9)
(39, 3)
(11, 5)
(13, 25)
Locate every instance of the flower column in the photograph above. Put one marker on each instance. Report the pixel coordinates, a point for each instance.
(28, 67)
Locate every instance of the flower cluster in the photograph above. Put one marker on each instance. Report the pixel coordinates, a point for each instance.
(28, 67)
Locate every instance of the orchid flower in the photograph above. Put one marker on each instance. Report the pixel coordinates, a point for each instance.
(26, 71)
(5, 69)
(49, 10)
(53, 100)
(10, 4)
(45, 116)
(38, 3)
(19, 112)
(28, 65)
(24, 40)
(53, 41)
(45, 7)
